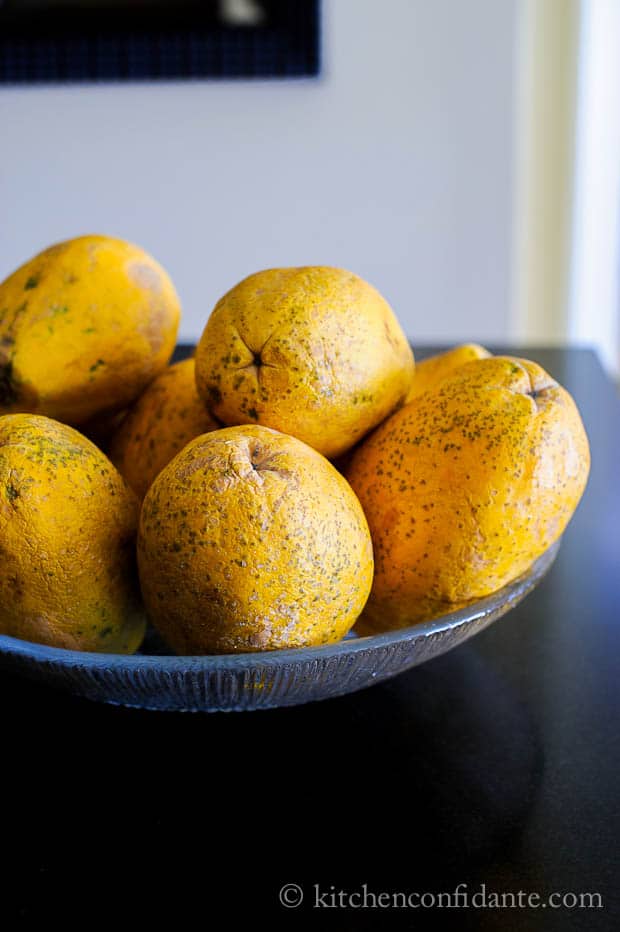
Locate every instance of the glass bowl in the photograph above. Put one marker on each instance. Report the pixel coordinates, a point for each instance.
(239, 682)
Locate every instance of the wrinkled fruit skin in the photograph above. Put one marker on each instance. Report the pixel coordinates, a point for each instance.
(433, 370)
(167, 415)
(84, 327)
(250, 540)
(315, 352)
(466, 486)
(67, 541)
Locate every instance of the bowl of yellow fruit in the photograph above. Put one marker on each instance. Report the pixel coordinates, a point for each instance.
(294, 512)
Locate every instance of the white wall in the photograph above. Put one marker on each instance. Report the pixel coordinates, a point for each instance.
(566, 281)
(594, 299)
(396, 163)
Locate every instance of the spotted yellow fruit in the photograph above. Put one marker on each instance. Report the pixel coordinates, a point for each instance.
(84, 327)
(67, 541)
(465, 486)
(250, 540)
(315, 352)
(167, 415)
(433, 370)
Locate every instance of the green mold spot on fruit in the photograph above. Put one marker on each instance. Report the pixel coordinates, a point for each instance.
(11, 492)
(57, 309)
(97, 365)
(31, 283)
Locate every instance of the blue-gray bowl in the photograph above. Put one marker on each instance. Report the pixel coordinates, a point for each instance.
(261, 680)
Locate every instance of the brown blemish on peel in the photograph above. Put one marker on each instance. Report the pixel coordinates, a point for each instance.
(148, 278)
(144, 276)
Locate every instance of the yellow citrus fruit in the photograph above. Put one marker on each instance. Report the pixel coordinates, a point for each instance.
(67, 541)
(433, 370)
(84, 327)
(165, 417)
(465, 486)
(251, 540)
(315, 352)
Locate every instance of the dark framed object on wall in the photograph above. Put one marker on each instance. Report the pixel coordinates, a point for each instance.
(133, 40)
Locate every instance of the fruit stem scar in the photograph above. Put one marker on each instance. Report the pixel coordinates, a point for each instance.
(260, 460)
(537, 393)
(534, 391)
(257, 361)
(257, 457)
(241, 463)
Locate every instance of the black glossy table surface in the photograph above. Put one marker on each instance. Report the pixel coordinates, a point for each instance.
(497, 764)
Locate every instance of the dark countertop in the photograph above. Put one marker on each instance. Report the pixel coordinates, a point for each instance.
(496, 764)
